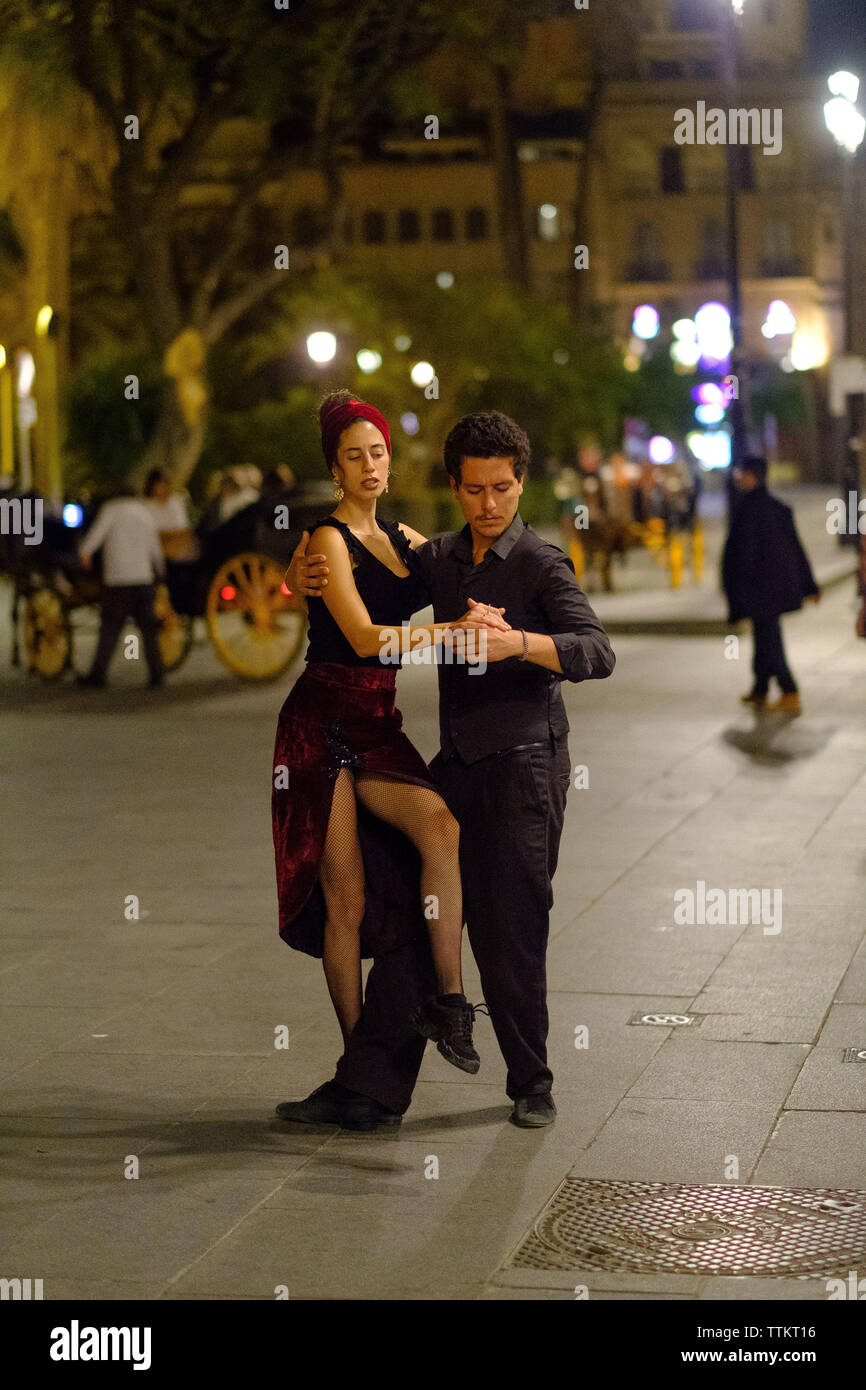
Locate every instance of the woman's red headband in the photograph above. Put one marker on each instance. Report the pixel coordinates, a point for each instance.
(342, 416)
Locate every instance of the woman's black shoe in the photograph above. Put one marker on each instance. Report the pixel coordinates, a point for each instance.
(450, 1027)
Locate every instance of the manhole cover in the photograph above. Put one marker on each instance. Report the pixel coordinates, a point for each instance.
(666, 1228)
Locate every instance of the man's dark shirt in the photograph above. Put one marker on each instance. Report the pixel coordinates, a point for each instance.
(512, 702)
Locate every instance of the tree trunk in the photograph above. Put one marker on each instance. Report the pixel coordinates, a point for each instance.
(580, 281)
(175, 445)
(509, 191)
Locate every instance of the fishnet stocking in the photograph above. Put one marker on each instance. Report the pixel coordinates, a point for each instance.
(421, 815)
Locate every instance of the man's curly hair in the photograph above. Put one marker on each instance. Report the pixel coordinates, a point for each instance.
(486, 435)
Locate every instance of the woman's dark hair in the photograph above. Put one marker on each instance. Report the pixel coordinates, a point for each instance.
(156, 475)
(486, 435)
(333, 401)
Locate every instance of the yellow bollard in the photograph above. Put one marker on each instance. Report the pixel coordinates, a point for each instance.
(577, 555)
(698, 552)
(675, 561)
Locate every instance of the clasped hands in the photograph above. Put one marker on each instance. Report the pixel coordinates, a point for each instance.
(308, 574)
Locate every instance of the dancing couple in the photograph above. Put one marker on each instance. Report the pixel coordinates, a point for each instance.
(379, 855)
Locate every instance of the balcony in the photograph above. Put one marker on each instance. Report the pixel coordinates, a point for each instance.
(711, 268)
(639, 272)
(783, 268)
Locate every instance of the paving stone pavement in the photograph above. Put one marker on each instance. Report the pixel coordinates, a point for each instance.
(148, 1044)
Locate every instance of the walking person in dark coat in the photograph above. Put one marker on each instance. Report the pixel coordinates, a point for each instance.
(765, 573)
(504, 770)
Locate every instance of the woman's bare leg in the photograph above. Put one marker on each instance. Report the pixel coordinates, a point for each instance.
(424, 818)
(341, 875)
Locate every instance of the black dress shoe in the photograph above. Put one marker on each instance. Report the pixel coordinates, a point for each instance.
(90, 682)
(332, 1104)
(365, 1114)
(533, 1112)
(323, 1106)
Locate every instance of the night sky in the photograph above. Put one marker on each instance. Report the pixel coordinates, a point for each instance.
(839, 35)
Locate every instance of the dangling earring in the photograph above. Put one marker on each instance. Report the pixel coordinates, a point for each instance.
(387, 481)
(339, 491)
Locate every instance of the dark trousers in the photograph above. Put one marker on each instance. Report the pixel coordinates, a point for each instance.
(119, 602)
(510, 810)
(769, 657)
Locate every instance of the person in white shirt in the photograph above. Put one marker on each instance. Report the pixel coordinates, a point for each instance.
(180, 545)
(132, 561)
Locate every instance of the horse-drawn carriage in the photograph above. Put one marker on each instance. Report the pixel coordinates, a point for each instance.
(658, 514)
(256, 626)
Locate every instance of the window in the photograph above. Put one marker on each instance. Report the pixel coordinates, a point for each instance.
(779, 254)
(704, 67)
(637, 165)
(694, 15)
(443, 224)
(671, 170)
(646, 261)
(374, 227)
(547, 222)
(778, 242)
(308, 225)
(476, 224)
(714, 243)
(408, 225)
(665, 70)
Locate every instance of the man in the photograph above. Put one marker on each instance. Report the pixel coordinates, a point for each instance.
(504, 769)
(132, 560)
(765, 573)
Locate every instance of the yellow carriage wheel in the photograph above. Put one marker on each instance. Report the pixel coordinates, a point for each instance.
(47, 635)
(256, 626)
(174, 630)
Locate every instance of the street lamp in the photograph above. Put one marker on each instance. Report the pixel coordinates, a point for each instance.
(847, 126)
(321, 348)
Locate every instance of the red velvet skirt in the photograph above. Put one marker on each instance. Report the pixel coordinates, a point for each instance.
(342, 716)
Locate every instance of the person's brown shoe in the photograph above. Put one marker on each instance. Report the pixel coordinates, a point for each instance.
(533, 1112)
(759, 701)
(786, 704)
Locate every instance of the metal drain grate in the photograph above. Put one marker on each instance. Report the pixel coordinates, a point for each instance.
(667, 1228)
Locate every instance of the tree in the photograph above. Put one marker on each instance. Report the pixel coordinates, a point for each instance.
(484, 45)
(163, 77)
(608, 35)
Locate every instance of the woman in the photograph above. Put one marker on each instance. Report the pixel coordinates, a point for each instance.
(354, 805)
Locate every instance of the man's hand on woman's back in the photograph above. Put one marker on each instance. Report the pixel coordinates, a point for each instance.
(307, 574)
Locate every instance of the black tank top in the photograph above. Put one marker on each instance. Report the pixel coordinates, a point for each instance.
(388, 599)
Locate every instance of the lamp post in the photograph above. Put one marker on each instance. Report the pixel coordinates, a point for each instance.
(46, 332)
(7, 446)
(740, 405)
(848, 127)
